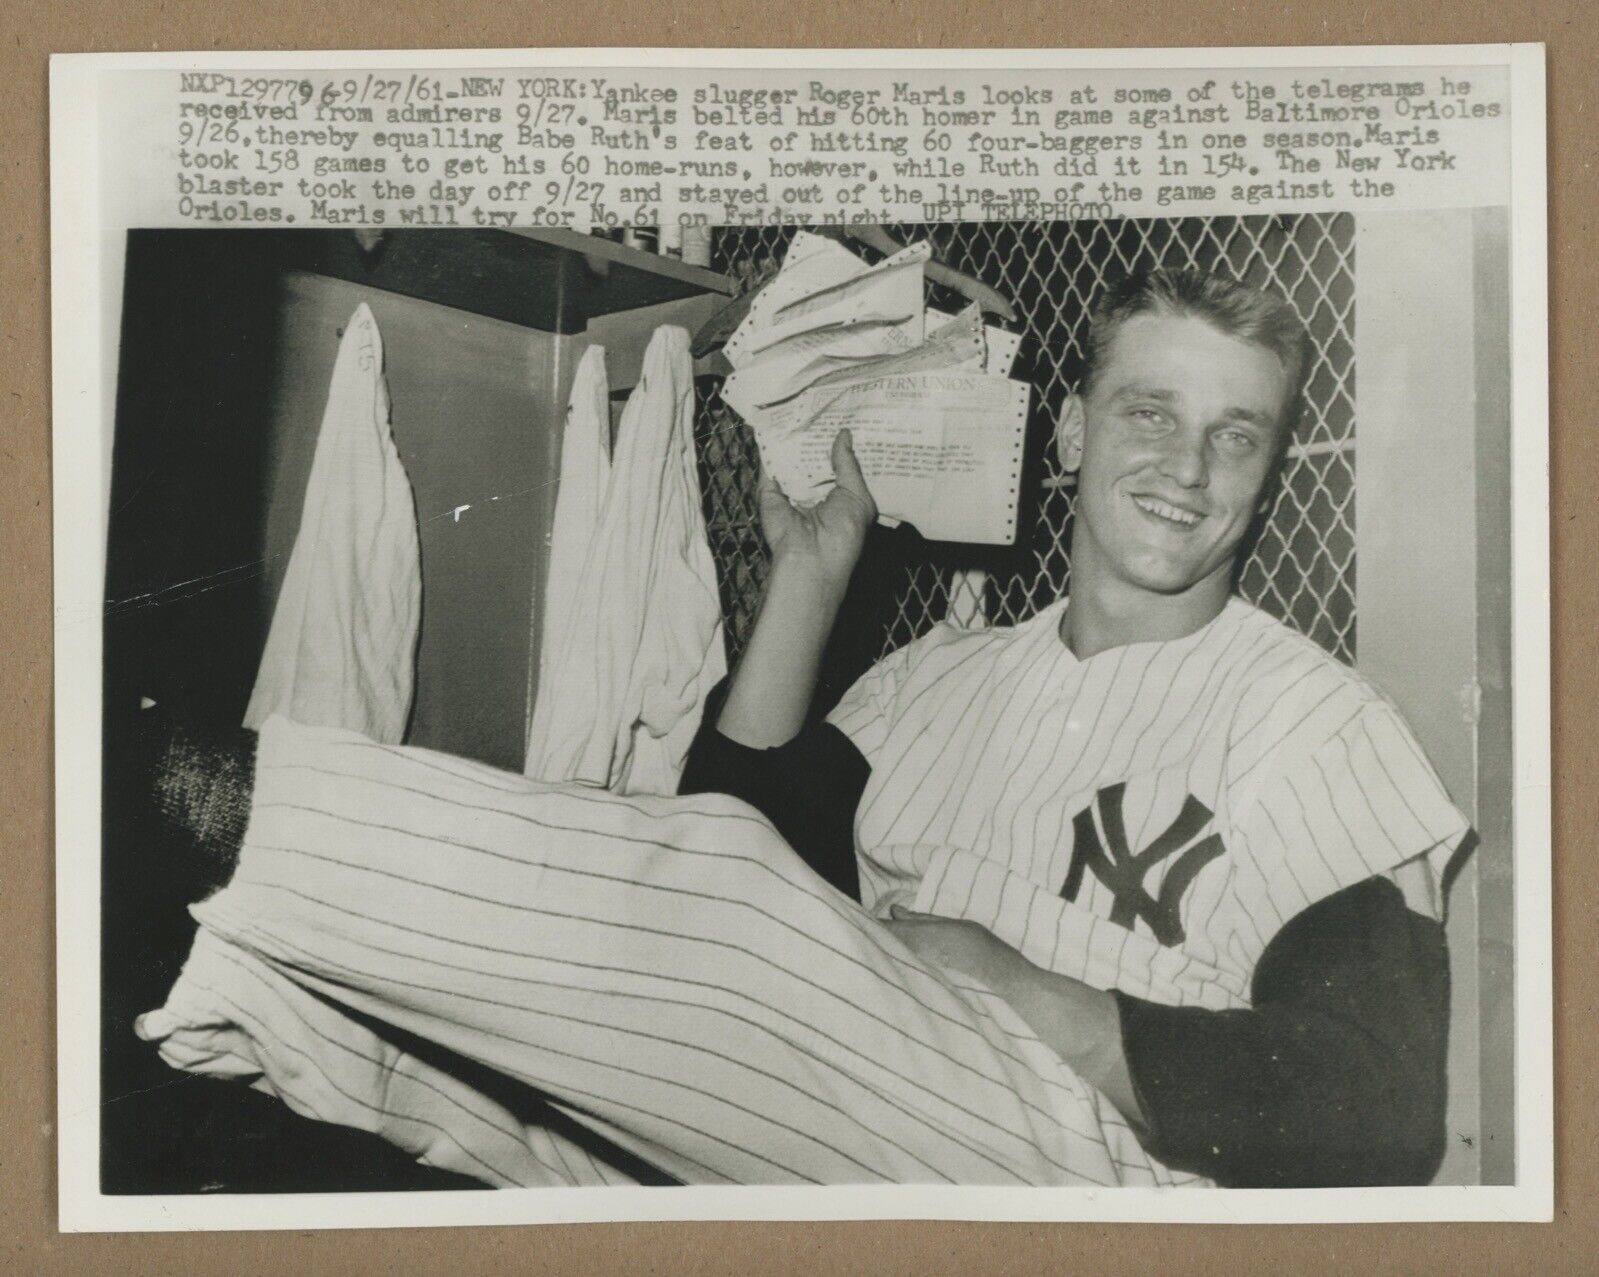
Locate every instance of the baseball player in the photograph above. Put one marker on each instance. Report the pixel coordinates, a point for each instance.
(1147, 885)
(1150, 806)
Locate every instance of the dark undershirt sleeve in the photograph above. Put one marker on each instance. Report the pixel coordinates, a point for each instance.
(808, 788)
(1336, 1074)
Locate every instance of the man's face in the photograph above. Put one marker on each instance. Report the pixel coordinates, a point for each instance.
(1179, 432)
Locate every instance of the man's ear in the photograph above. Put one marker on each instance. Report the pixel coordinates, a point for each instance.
(1069, 434)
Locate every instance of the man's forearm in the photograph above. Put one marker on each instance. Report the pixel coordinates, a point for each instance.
(771, 690)
(1082, 1025)
(1333, 1076)
(1079, 1023)
(814, 550)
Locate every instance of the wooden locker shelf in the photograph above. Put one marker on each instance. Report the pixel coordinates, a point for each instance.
(556, 280)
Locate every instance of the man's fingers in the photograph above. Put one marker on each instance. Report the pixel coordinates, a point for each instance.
(764, 478)
(847, 470)
(769, 494)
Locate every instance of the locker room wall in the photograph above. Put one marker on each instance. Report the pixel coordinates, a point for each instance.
(1432, 598)
(473, 405)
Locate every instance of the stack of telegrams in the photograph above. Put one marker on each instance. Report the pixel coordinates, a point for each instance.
(937, 422)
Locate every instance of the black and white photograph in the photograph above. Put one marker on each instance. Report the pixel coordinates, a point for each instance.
(776, 636)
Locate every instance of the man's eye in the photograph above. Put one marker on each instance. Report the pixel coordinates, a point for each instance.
(1237, 441)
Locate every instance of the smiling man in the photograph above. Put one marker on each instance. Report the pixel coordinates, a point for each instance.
(1188, 420)
(1197, 854)
(1141, 891)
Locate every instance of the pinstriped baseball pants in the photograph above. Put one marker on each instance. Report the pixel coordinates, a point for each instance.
(664, 971)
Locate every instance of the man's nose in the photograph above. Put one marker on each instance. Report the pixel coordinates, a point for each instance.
(1184, 460)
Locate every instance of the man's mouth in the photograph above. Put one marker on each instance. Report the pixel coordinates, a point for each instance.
(1166, 511)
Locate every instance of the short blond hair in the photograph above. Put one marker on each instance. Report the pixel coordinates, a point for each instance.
(1249, 314)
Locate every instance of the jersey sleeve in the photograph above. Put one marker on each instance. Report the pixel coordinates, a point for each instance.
(866, 712)
(808, 788)
(1335, 1076)
(1353, 801)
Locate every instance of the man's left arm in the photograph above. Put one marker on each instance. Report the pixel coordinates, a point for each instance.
(1333, 1077)
(808, 787)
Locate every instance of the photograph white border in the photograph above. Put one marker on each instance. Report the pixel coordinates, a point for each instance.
(86, 305)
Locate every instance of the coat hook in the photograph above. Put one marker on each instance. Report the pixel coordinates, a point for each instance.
(370, 241)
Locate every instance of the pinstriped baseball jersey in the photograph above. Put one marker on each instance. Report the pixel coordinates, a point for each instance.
(1145, 819)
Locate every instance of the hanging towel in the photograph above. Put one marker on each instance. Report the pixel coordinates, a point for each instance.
(585, 468)
(341, 651)
(621, 697)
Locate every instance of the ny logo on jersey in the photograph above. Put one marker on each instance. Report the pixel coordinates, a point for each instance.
(1123, 870)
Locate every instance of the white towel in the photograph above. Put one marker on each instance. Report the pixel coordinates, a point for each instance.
(585, 470)
(342, 647)
(620, 702)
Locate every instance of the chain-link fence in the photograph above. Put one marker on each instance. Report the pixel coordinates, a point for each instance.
(1301, 568)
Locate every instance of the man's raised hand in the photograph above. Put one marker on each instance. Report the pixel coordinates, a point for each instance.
(828, 536)
(814, 551)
